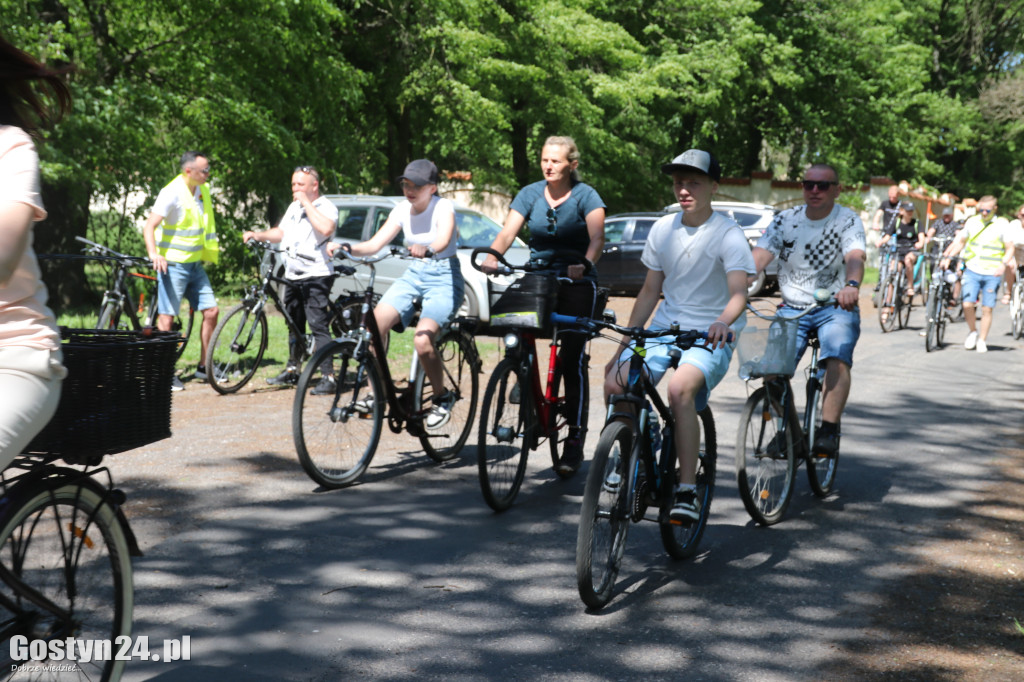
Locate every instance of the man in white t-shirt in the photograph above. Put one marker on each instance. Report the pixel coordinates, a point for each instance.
(699, 260)
(821, 245)
(305, 230)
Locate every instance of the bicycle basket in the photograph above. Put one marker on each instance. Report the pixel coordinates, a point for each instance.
(767, 348)
(116, 396)
(524, 304)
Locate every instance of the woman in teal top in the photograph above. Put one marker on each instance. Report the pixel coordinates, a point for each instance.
(563, 215)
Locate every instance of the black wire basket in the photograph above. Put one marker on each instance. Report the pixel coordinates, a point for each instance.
(116, 396)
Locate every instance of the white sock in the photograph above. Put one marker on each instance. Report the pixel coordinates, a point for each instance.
(684, 487)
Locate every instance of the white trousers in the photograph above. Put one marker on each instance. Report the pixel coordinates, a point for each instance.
(30, 382)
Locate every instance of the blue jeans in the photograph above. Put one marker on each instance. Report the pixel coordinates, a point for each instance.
(985, 285)
(838, 331)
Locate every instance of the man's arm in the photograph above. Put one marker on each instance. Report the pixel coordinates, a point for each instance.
(644, 304)
(323, 225)
(876, 222)
(274, 235)
(149, 235)
(849, 295)
(718, 332)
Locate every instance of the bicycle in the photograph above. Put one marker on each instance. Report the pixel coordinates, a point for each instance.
(65, 543)
(940, 301)
(118, 309)
(627, 476)
(240, 338)
(772, 441)
(518, 413)
(894, 305)
(1017, 304)
(336, 434)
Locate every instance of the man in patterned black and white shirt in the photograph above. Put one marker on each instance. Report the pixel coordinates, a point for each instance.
(821, 245)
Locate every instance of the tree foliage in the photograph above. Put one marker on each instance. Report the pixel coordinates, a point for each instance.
(927, 90)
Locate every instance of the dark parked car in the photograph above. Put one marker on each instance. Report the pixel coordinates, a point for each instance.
(620, 268)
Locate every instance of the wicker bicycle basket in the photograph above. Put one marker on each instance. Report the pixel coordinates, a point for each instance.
(116, 396)
(767, 348)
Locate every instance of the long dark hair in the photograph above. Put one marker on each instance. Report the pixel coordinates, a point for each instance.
(20, 104)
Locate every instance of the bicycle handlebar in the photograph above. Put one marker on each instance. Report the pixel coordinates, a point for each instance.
(683, 338)
(107, 252)
(392, 252)
(531, 266)
(822, 299)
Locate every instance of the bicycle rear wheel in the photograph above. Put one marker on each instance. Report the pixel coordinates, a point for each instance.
(821, 471)
(236, 349)
(765, 457)
(65, 543)
(887, 303)
(459, 362)
(336, 434)
(605, 514)
(680, 540)
(1017, 309)
(503, 444)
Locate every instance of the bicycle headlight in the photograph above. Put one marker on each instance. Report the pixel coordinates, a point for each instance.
(937, 276)
(950, 276)
(511, 340)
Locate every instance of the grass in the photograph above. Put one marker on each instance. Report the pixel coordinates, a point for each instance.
(870, 276)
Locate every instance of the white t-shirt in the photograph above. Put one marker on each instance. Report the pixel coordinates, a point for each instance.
(301, 239)
(1015, 235)
(168, 204)
(422, 228)
(811, 252)
(24, 318)
(695, 261)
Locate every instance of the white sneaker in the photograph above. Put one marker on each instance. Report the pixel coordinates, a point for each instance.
(971, 341)
(176, 384)
(441, 412)
(982, 347)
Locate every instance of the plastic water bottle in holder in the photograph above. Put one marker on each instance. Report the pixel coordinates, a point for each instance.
(653, 430)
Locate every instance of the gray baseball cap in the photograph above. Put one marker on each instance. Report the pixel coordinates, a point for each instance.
(948, 211)
(420, 172)
(695, 159)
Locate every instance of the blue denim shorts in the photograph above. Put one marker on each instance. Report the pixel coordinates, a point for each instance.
(713, 365)
(986, 285)
(838, 331)
(438, 282)
(184, 280)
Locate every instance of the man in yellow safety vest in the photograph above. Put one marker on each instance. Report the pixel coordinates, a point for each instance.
(178, 248)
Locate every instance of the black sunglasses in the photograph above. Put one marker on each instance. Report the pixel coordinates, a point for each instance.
(820, 185)
(552, 217)
(308, 169)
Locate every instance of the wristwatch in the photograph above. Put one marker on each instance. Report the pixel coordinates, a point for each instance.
(853, 283)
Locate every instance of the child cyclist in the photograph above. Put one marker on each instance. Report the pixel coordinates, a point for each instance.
(428, 224)
(699, 260)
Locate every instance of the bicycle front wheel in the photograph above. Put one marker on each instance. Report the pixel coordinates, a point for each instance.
(336, 432)
(503, 443)
(904, 302)
(110, 316)
(765, 457)
(821, 471)
(65, 544)
(933, 314)
(459, 365)
(236, 349)
(605, 514)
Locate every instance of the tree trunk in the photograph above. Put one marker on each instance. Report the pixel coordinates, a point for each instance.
(67, 203)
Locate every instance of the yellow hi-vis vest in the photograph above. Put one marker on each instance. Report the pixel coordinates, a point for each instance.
(194, 236)
(984, 250)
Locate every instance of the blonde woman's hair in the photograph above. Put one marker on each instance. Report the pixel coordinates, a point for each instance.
(572, 152)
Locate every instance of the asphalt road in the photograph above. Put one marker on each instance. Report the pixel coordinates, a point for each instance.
(409, 575)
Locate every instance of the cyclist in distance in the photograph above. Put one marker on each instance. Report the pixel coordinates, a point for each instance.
(821, 245)
(30, 357)
(563, 214)
(1016, 237)
(428, 224)
(305, 229)
(909, 241)
(699, 260)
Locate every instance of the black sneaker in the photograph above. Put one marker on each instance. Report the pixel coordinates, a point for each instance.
(571, 459)
(686, 509)
(826, 444)
(289, 377)
(326, 386)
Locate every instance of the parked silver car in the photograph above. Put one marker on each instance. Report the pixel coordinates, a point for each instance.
(361, 215)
